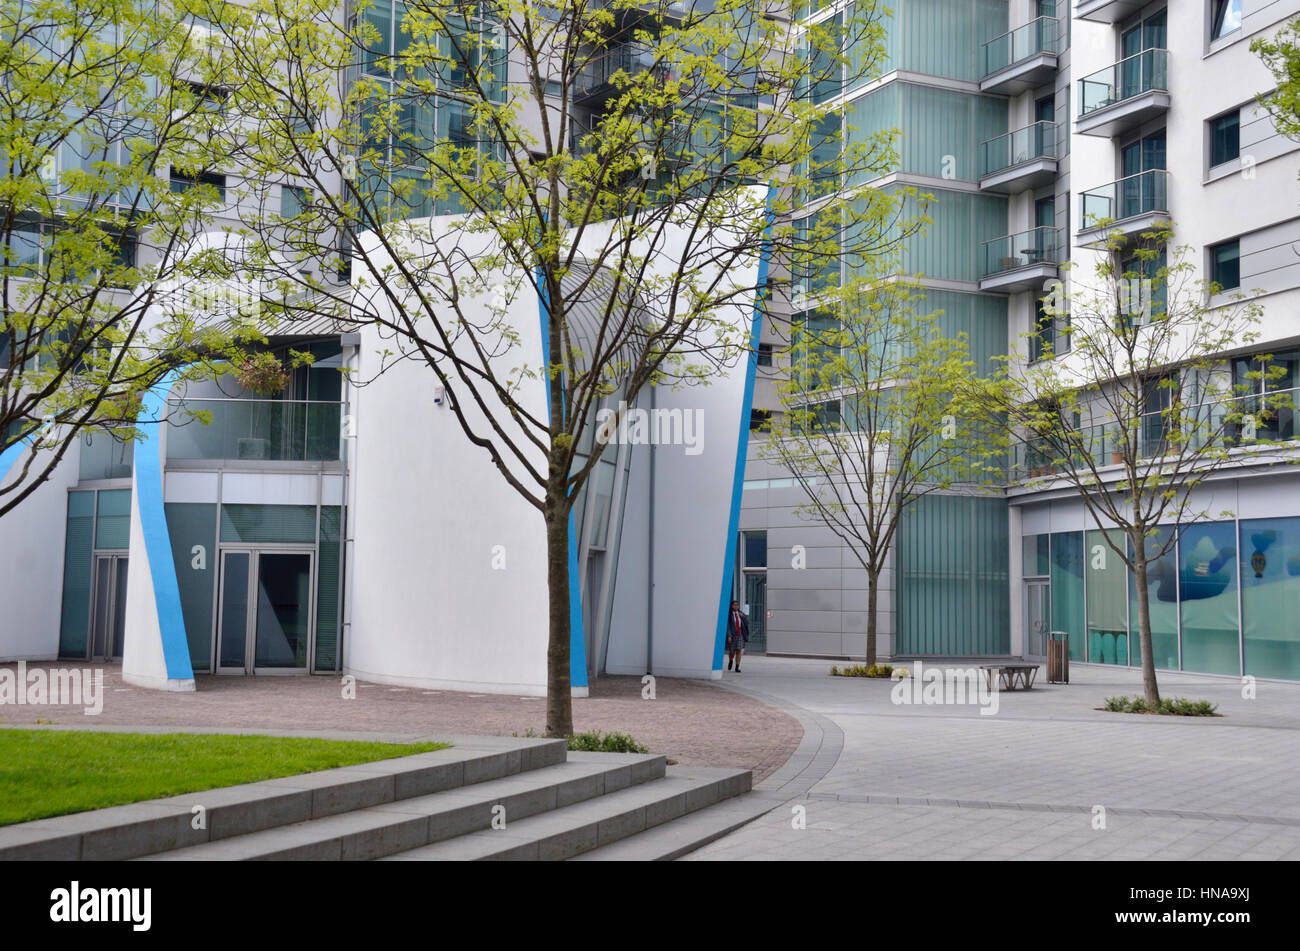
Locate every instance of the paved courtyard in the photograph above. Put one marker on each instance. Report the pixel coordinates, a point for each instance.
(875, 780)
(692, 722)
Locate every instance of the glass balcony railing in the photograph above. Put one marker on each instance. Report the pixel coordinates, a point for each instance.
(270, 430)
(1141, 194)
(1037, 36)
(1239, 422)
(1024, 145)
(598, 73)
(1013, 251)
(1140, 73)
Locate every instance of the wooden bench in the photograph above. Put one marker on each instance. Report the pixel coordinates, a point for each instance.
(1010, 676)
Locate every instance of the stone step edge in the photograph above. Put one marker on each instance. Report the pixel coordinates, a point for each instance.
(141, 828)
(381, 830)
(672, 841)
(569, 832)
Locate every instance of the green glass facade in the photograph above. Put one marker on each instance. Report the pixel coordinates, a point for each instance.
(953, 577)
(1214, 574)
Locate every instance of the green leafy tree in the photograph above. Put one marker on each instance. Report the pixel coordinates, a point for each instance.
(872, 418)
(550, 123)
(1143, 408)
(1281, 54)
(106, 117)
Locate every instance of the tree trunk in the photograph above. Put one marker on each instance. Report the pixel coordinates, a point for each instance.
(873, 593)
(559, 696)
(1144, 621)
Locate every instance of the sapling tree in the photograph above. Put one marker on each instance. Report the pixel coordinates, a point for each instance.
(613, 160)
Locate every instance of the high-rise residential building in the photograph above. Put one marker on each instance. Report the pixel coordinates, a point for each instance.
(1029, 122)
(1025, 121)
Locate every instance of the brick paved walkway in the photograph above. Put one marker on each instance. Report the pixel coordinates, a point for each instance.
(690, 721)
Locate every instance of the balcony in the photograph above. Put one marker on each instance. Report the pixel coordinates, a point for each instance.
(1107, 11)
(1021, 262)
(1130, 206)
(1022, 59)
(1020, 160)
(596, 81)
(1244, 422)
(1124, 96)
(254, 430)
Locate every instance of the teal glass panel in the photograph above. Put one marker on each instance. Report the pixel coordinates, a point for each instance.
(1270, 596)
(113, 519)
(192, 528)
(1162, 604)
(954, 590)
(1207, 585)
(268, 523)
(1034, 558)
(78, 541)
(1107, 583)
(1067, 590)
(104, 457)
(329, 575)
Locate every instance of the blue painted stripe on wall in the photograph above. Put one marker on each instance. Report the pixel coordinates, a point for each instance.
(742, 447)
(11, 456)
(157, 541)
(577, 636)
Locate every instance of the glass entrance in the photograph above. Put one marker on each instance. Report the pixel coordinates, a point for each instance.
(756, 599)
(1037, 614)
(266, 611)
(108, 618)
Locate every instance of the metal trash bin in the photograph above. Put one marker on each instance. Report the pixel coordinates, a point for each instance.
(1058, 657)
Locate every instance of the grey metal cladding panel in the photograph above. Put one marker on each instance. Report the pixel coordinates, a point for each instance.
(753, 519)
(1259, 137)
(781, 554)
(827, 579)
(1259, 14)
(824, 622)
(1268, 258)
(811, 599)
(782, 534)
(821, 643)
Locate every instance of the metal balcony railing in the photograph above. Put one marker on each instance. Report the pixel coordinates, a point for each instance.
(1236, 422)
(1015, 148)
(270, 430)
(1013, 251)
(1140, 73)
(1037, 36)
(598, 74)
(1141, 194)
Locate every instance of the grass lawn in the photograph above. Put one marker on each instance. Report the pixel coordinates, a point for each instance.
(54, 772)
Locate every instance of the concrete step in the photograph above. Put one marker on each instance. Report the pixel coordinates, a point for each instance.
(685, 835)
(159, 825)
(573, 830)
(380, 830)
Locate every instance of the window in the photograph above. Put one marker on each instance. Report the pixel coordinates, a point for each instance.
(758, 420)
(1043, 342)
(293, 200)
(182, 182)
(210, 98)
(1225, 265)
(1225, 138)
(765, 354)
(1225, 18)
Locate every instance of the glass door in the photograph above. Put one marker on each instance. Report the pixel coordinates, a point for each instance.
(1037, 613)
(108, 618)
(283, 613)
(265, 620)
(232, 621)
(756, 599)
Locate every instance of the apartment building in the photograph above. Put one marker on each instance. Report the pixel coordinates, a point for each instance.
(1051, 118)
